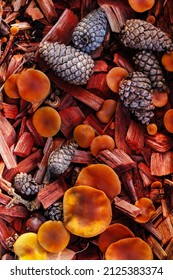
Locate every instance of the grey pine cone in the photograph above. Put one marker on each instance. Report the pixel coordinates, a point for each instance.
(142, 35)
(146, 62)
(73, 66)
(90, 31)
(135, 92)
(55, 211)
(59, 160)
(25, 184)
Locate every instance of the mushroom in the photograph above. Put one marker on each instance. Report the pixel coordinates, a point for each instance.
(114, 76)
(26, 247)
(112, 234)
(107, 110)
(129, 249)
(47, 121)
(147, 208)
(159, 99)
(53, 236)
(102, 177)
(10, 86)
(84, 134)
(152, 129)
(141, 6)
(33, 85)
(167, 120)
(167, 61)
(101, 142)
(87, 211)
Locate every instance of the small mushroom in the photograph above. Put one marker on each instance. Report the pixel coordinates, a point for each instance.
(84, 134)
(152, 129)
(102, 177)
(129, 249)
(26, 247)
(147, 208)
(112, 234)
(33, 85)
(167, 61)
(114, 76)
(101, 142)
(141, 6)
(159, 99)
(53, 236)
(47, 121)
(10, 86)
(167, 120)
(107, 110)
(87, 211)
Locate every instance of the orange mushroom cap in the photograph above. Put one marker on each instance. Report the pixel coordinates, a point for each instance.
(114, 76)
(26, 247)
(47, 121)
(84, 134)
(102, 177)
(107, 110)
(147, 208)
(10, 86)
(168, 120)
(112, 234)
(33, 85)
(129, 249)
(87, 211)
(53, 236)
(141, 6)
(167, 61)
(101, 142)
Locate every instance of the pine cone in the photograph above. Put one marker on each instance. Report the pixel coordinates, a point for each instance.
(142, 35)
(146, 62)
(135, 92)
(59, 160)
(73, 66)
(55, 211)
(90, 31)
(25, 184)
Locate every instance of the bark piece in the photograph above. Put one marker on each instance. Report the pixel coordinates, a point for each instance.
(24, 145)
(98, 85)
(169, 250)
(33, 11)
(62, 30)
(48, 9)
(135, 136)
(70, 117)
(7, 130)
(157, 248)
(127, 208)
(122, 121)
(52, 192)
(159, 142)
(83, 157)
(81, 94)
(145, 173)
(6, 154)
(116, 159)
(14, 211)
(166, 229)
(128, 183)
(161, 163)
(38, 139)
(100, 66)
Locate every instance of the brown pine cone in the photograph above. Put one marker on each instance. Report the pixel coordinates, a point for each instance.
(73, 66)
(135, 92)
(142, 35)
(146, 62)
(90, 31)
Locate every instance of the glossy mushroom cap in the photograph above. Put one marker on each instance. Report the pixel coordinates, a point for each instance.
(141, 6)
(114, 76)
(33, 85)
(107, 110)
(167, 61)
(100, 143)
(84, 134)
(47, 121)
(87, 211)
(53, 236)
(167, 120)
(26, 247)
(147, 208)
(129, 249)
(102, 177)
(112, 234)
(10, 86)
